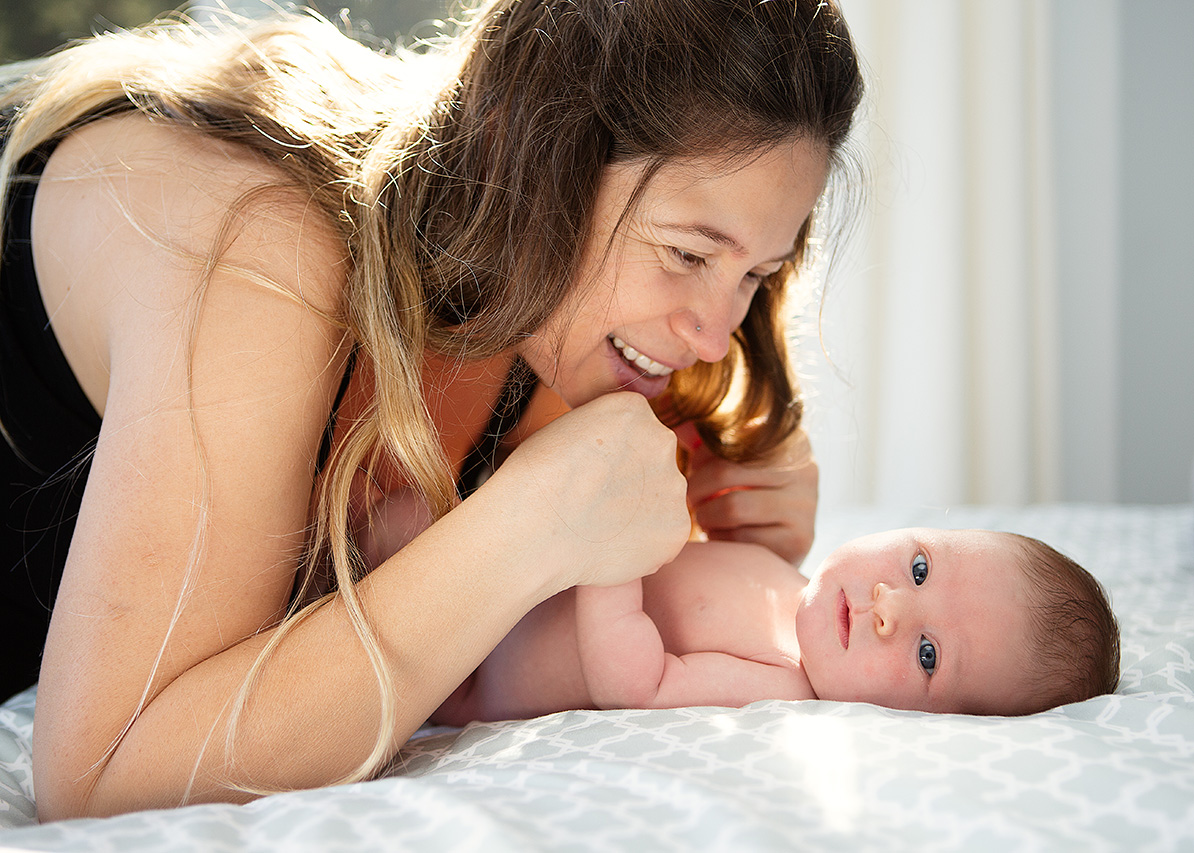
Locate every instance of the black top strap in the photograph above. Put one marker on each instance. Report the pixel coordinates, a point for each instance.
(511, 405)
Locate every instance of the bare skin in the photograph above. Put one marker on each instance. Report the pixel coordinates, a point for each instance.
(265, 371)
(154, 630)
(727, 624)
(714, 627)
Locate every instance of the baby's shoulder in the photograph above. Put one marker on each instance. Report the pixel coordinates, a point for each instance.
(739, 563)
(730, 578)
(729, 597)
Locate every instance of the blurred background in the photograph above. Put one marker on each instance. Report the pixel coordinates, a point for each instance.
(31, 27)
(1012, 320)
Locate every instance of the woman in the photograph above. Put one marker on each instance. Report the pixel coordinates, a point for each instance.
(301, 297)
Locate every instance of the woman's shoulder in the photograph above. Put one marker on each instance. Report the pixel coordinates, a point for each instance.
(134, 217)
(143, 143)
(131, 184)
(168, 166)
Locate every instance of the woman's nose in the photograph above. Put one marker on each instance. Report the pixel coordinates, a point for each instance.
(706, 328)
(886, 609)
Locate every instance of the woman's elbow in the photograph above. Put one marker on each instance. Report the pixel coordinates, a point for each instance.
(59, 797)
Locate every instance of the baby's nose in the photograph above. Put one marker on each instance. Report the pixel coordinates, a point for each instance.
(885, 609)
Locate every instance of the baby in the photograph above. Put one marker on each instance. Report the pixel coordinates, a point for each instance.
(952, 621)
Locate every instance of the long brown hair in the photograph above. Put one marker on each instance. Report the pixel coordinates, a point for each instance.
(501, 182)
(463, 181)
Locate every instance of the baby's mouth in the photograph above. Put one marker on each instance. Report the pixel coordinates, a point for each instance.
(843, 619)
(644, 363)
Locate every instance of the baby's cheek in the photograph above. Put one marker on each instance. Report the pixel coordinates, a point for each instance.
(883, 681)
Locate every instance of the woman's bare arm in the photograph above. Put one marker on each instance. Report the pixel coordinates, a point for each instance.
(263, 374)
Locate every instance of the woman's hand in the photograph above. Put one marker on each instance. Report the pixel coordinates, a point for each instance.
(599, 486)
(772, 502)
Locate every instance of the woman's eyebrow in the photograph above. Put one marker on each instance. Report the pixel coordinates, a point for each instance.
(716, 235)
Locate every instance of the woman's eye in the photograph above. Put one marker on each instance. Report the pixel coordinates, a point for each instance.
(688, 259)
(920, 569)
(763, 277)
(926, 654)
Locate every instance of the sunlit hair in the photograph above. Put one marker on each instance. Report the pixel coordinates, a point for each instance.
(504, 177)
(1073, 646)
(463, 179)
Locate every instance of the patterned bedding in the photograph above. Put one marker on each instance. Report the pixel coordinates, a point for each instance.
(1113, 773)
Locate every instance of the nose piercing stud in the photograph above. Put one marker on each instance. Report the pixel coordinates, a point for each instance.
(698, 328)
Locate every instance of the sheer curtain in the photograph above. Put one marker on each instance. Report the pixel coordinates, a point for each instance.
(941, 318)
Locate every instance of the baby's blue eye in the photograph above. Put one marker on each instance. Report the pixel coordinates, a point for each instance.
(927, 654)
(920, 569)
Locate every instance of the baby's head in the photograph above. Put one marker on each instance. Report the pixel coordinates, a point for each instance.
(958, 621)
(1072, 630)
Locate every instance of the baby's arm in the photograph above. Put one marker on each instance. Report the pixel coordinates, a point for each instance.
(624, 663)
(621, 653)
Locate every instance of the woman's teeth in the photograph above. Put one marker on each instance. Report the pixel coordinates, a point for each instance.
(647, 365)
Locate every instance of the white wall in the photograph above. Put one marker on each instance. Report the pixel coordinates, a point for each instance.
(1156, 269)
(1124, 121)
(1112, 413)
(1086, 97)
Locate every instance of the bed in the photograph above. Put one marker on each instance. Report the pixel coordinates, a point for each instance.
(1116, 772)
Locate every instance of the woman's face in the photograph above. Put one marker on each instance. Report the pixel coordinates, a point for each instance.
(679, 274)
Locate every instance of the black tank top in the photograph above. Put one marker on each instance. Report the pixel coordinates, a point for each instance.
(52, 429)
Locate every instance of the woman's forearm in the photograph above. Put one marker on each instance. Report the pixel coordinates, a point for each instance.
(557, 514)
(438, 607)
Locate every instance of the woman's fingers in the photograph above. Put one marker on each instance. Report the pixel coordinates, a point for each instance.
(772, 502)
(603, 481)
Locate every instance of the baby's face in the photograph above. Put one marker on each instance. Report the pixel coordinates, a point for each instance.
(931, 620)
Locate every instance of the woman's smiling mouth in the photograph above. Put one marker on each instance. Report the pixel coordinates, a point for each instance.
(642, 362)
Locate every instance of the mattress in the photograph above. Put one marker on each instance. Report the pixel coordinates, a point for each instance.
(1116, 772)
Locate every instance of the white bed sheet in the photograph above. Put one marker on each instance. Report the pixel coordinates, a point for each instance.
(1113, 773)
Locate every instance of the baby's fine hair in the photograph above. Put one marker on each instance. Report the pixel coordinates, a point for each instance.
(1074, 636)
